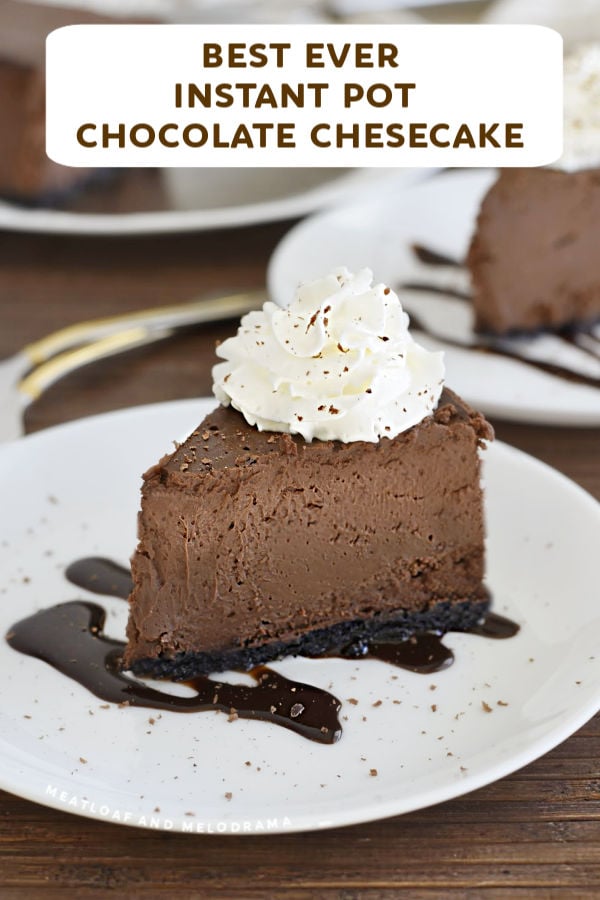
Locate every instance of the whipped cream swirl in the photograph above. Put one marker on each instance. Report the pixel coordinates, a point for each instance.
(581, 109)
(337, 364)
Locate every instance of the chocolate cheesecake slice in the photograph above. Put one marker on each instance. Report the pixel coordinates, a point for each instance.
(534, 258)
(254, 544)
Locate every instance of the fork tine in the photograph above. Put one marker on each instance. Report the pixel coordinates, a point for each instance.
(195, 312)
(34, 384)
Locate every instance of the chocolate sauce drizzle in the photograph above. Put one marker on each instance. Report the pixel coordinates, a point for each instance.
(431, 257)
(495, 626)
(100, 576)
(423, 653)
(581, 338)
(69, 637)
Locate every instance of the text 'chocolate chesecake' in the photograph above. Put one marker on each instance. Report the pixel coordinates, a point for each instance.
(254, 544)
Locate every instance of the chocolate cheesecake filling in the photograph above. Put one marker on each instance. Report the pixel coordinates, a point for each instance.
(534, 257)
(254, 543)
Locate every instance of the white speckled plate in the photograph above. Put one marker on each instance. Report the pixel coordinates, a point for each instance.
(73, 491)
(439, 213)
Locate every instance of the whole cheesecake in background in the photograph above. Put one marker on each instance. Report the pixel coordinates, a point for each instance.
(534, 257)
(28, 177)
(340, 501)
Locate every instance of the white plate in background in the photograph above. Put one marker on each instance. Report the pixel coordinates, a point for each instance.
(439, 213)
(203, 199)
(73, 491)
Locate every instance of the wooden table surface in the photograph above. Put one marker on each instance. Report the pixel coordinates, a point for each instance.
(535, 833)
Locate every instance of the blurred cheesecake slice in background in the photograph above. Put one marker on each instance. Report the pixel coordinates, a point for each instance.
(534, 258)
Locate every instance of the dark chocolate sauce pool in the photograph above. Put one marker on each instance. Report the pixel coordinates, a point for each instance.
(424, 653)
(69, 637)
(100, 576)
(576, 337)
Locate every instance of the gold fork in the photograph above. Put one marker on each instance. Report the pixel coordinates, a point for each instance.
(25, 376)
